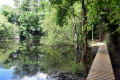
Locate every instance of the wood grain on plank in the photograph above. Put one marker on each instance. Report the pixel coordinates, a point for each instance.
(101, 68)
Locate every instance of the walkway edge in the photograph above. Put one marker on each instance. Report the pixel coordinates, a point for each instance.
(101, 68)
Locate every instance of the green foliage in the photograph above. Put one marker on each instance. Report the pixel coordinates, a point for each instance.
(7, 29)
(25, 6)
(7, 47)
(57, 58)
(29, 21)
(29, 5)
(43, 8)
(34, 5)
(55, 34)
(31, 15)
(77, 68)
(56, 1)
(62, 7)
(8, 12)
(16, 2)
(36, 37)
(108, 39)
(102, 10)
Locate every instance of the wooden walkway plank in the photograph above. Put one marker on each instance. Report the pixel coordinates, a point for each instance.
(101, 68)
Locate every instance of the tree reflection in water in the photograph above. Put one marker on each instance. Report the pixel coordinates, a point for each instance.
(33, 60)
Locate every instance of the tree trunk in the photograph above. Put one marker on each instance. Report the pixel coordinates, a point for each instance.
(100, 34)
(76, 36)
(85, 35)
(76, 40)
(92, 36)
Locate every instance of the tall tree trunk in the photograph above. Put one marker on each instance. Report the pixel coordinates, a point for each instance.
(100, 34)
(92, 36)
(76, 40)
(85, 34)
(76, 36)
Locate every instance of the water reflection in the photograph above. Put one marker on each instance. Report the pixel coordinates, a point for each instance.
(7, 74)
(38, 76)
(33, 61)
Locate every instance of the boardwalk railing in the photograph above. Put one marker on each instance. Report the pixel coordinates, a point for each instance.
(101, 68)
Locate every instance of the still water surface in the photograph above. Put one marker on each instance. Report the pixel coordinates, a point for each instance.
(29, 60)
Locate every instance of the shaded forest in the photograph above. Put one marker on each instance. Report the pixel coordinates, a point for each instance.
(78, 23)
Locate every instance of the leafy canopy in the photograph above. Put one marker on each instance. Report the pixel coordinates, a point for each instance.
(6, 29)
(8, 12)
(29, 21)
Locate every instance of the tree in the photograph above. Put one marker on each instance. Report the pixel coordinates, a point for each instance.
(107, 12)
(34, 5)
(6, 29)
(29, 17)
(53, 33)
(29, 24)
(64, 9)
(25, 6)
(8, 12)
(84, 27)
(28, 5)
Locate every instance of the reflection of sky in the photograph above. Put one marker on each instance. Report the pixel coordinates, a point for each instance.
(7, 74)
(38, 76)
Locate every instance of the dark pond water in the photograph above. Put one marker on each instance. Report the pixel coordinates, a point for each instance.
(29, 60)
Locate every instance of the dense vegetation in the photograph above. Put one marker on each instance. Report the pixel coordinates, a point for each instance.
(63, 22)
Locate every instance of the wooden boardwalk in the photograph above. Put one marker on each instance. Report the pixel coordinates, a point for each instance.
(101, 68)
